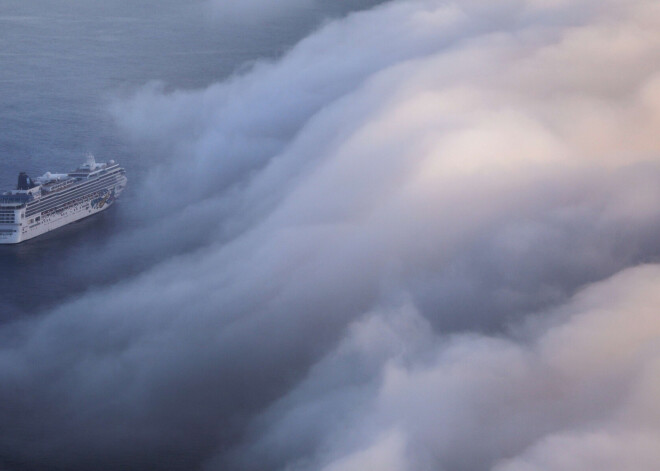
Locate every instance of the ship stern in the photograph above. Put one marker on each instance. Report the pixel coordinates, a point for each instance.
(10, 225)
(10, 235)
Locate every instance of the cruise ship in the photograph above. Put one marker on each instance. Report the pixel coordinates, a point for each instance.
(55, 200)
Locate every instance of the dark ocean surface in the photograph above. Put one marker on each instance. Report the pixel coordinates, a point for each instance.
(61, 66)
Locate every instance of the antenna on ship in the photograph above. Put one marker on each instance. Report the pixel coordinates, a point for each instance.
(91, 161)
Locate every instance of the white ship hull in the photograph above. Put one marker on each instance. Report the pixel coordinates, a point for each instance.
(83, 196)
(25, 231)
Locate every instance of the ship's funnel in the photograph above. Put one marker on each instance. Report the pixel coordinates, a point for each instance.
(24, 182)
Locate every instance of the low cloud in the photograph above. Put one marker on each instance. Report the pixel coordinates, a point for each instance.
(573, 390)
(390, 252)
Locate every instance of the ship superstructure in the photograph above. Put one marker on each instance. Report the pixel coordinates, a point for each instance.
(55, 200)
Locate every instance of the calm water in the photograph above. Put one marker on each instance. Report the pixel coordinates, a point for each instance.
(61, 63)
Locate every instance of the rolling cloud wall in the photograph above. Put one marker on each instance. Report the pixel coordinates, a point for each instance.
(424, 238)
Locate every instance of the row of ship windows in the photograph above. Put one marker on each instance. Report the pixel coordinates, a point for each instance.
(57, 206)
(88, 184)
(101, 183)
(71, 204)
